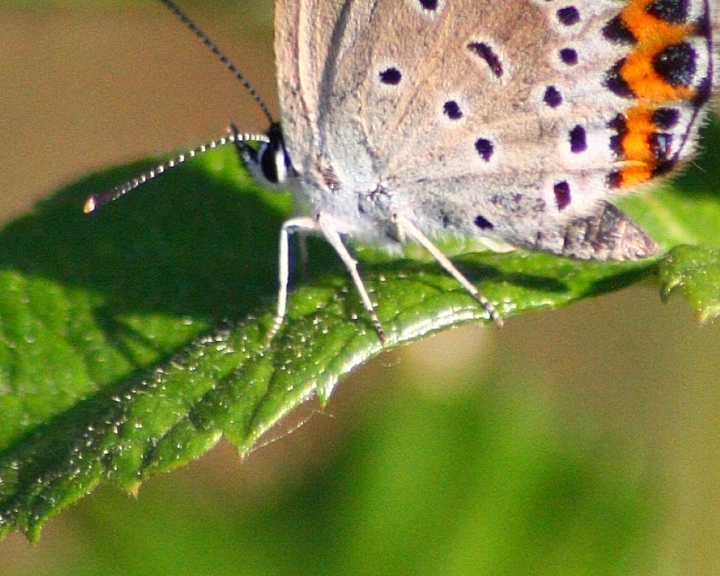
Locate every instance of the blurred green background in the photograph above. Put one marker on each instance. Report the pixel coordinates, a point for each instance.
(581, 441)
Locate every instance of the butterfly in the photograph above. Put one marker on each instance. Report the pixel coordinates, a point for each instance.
(516, 121)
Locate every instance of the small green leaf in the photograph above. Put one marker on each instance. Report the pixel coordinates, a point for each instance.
(133, 339)
(695, 272)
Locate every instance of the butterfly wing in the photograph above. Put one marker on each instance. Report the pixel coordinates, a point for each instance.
(517, 119)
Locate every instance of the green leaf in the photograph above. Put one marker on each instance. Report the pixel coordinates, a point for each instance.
(694, 271)
(133, 339)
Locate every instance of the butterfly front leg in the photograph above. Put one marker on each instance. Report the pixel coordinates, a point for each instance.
(330, 229)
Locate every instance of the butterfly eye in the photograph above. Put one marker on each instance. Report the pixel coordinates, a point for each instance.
(274, 161)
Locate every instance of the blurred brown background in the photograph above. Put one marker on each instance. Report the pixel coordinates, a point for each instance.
(84, 87)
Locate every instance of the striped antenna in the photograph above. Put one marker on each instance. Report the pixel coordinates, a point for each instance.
(195, 29)
(98, 200)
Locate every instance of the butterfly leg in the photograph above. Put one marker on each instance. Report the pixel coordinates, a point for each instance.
(304, 255)
(407, 228)
(289, 226)
(329, 227)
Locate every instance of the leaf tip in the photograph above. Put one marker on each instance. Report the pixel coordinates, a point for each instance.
(709, 314)
(133, 488)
